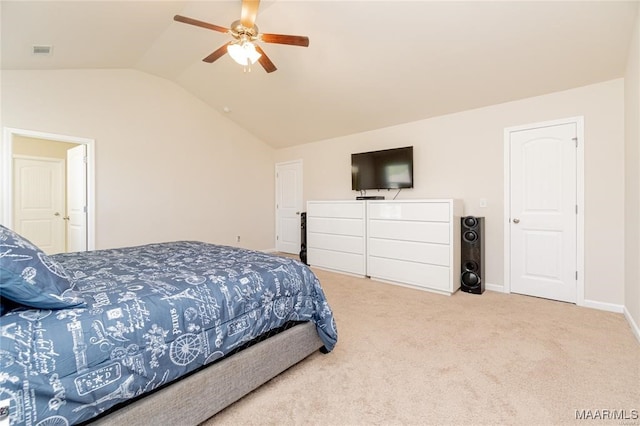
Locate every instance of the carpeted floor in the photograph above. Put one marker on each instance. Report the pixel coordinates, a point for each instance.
(410, 357)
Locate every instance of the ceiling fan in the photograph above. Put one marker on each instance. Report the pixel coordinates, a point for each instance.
(243, 48)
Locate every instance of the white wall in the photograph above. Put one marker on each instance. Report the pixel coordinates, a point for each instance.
(461, 156)
(632, 182)
(168, 167)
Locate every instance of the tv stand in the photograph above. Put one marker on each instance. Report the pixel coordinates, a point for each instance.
(370, 197)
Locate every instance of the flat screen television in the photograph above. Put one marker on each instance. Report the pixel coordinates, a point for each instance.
(384, 169)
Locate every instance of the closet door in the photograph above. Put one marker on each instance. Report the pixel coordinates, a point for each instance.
(543, 212)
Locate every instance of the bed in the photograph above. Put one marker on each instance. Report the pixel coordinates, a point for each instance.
(168, 332)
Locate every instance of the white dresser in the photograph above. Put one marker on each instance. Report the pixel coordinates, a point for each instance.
(336, 235)
(409, 242)
(415, 242)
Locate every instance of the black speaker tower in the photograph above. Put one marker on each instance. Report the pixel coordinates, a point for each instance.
(303, 237)
(472, 255)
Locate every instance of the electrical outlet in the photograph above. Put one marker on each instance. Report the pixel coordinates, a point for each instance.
(238, 239)
(483, 202)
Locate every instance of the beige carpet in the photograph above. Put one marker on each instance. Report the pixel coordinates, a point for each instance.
(406, 356)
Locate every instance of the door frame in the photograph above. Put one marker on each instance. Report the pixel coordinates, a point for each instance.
(6, 175)
(277, 196)
(579, 122)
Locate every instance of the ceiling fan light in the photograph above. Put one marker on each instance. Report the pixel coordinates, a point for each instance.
(252, 52)
(244, 53)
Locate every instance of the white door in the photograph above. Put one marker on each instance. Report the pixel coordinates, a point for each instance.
(288, 206)
(76, 217)
(543, 212)
(39, 202)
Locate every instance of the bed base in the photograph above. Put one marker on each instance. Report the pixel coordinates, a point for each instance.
(199, 396)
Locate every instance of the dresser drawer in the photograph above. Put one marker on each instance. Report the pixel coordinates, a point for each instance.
(435, 254)
(338, 261)
(417, 274)
(426, 232)
(410, 211)
(327, 225)
(347, 209)
(341, 243)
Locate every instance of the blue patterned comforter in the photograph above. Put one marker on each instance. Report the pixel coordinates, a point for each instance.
(154, 313)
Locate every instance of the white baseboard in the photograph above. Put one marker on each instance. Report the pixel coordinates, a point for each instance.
(494, 287)
(635, 327)
(603, 306)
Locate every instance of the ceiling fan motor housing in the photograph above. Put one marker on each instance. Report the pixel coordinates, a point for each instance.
(238, 31)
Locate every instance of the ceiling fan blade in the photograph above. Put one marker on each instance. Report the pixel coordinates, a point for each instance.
(202, 24)
(265, 61)
(249, 12)
(217, 54)
(285, 39)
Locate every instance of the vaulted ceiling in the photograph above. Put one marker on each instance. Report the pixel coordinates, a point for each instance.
(370, 64)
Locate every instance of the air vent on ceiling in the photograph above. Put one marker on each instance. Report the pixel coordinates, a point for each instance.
(41, 50)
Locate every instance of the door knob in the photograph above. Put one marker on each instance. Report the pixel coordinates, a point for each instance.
(56, 214)
(516, 221)
(297, 213)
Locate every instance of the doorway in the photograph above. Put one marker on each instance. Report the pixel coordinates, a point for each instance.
(288, 206)
(544, 210)
(11, 137)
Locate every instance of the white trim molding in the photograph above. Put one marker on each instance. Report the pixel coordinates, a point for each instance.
(604, 306)
(494, 287)
(635, 327)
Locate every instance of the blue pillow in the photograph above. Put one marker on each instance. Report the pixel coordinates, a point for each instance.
(31, 278)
